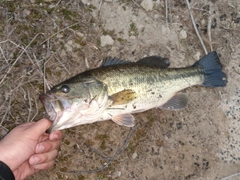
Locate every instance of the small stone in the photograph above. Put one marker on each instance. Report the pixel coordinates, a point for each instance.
(197, 56)
(203, 22)
(70, 42)
(26, 13)
(106, 40)
(68, 47)
(63, 53)
(147, 5)
(51, 6)
(116, 174)
(183, 34)
(87, 2)
(79, 34)
(134, 156)
(59, 36)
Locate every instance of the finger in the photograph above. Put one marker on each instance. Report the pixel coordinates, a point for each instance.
(56, 135)
(43, 157)
(40, 126)
(43, 137)
(47, 145)
(44, 166)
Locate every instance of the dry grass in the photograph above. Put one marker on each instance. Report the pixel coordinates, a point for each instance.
(31, 42)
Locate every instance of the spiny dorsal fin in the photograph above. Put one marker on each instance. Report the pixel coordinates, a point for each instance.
(124, 120)
(123, 97)
(150, 61)
(177, 102)
(155, 61)
(114, 61)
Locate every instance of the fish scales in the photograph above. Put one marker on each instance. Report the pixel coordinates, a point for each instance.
(144, 78)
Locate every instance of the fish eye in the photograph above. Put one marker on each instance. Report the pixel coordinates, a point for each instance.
(65, 88)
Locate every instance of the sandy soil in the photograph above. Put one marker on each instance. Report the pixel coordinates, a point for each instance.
(43, 42)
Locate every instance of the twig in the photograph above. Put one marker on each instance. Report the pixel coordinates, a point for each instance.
(36, 110)
(136, 4)
(100, 5)
(195, 28)
(109, 159)
(209, 31)
(86, 62)
(231, 176)
(30, 106)
(45, 83)
(166, 7)
(7, 110)
(3, 55)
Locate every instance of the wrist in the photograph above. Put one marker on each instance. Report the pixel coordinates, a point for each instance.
(5, 157)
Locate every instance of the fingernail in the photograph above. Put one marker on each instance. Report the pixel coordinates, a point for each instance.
(40, 148)
(34, 160)
(55, 136)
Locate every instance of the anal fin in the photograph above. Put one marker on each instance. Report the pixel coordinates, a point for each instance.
(177, 102)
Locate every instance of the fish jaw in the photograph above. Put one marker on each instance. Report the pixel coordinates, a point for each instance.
(66, 112)
(47, 101)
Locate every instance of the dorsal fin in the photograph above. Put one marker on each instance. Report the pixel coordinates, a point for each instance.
(155, 61)
(150, 61)
(109, 61)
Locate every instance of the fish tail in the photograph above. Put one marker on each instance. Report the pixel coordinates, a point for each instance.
(212, 69)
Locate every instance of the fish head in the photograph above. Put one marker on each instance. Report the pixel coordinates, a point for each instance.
(73, 103)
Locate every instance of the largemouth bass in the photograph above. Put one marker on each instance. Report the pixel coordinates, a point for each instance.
(119, 88)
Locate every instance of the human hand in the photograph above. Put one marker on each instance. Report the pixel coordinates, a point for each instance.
(27, 149)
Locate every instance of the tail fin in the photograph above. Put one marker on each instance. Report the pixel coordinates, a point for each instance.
(212, 69)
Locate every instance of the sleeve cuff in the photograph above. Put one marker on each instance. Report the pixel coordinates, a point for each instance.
(5, 172)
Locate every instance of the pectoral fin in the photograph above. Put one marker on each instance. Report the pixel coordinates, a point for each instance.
(123, 97)
(124, 120)
(177, 102)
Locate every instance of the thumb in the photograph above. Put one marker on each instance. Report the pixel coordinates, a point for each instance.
(41, 126)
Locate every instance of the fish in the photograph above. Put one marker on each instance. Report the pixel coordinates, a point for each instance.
(120, 88)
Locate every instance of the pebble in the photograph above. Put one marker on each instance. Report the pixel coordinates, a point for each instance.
(203, 22)
(197, 56)
(68, 47)
(106, 40)
(79, 34)
(116, 174)
(134, 156)
(182, 34)
(147, 5)
(70, 42)
(26, 13)
(59, 36)
(87, 2)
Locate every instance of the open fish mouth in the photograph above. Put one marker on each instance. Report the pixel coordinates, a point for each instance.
(48, 102)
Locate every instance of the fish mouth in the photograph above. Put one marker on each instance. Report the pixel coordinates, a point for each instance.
(48, 102)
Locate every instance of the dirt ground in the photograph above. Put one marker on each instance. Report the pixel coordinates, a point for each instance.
(43, 42)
